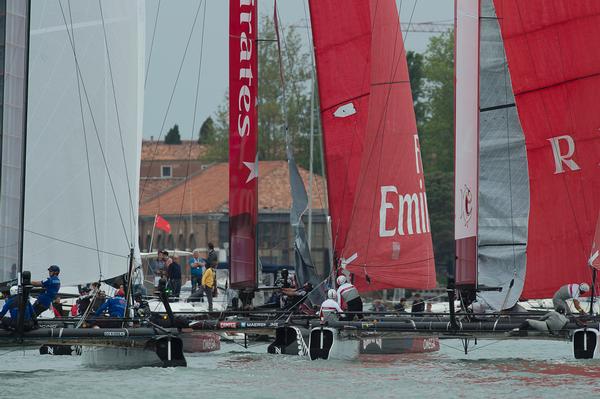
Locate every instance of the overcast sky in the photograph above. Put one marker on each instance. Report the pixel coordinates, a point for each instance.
(175, 20)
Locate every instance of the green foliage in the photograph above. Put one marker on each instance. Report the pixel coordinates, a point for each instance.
(273, 113)
(206, 135)
(436, 128)
(417, 82)
(173, 136)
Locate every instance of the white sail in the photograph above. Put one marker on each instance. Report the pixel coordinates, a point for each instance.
(86, 229)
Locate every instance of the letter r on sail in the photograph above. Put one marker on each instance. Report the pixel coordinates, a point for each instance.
(560, 159)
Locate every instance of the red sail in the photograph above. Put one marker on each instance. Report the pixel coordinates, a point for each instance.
(389, 240)
(554, 62)
(342, 41)
(243, 131)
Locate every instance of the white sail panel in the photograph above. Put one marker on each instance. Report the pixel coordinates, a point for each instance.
(467, 114)
(87, 229)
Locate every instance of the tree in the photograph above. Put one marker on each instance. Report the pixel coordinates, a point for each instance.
(173, 136)
(272, 112)
(436, 128)
(206, 135)
(417, 80)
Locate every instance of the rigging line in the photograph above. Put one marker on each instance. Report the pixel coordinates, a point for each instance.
(151, 44)
(187, 172)
(171, 97)
(409, 22)
(76, 244)
(112, 81)
(80, 74)
(87, 154)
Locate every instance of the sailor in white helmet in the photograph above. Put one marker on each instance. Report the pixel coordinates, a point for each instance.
(330, 307)
(349, 298)
(569, 291)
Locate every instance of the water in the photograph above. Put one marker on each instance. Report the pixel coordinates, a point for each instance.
(511, 369)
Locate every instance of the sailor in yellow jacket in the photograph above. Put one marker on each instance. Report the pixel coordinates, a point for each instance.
(209, 281)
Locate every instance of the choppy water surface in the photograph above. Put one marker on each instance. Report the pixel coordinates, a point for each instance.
(515, 369)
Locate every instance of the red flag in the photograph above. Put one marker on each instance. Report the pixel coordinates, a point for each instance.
(161, 223)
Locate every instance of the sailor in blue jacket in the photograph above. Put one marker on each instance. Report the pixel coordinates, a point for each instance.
(51, 285)
(115, 306)
(12, 306)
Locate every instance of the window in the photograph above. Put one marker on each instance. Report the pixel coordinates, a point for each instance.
(166, 171)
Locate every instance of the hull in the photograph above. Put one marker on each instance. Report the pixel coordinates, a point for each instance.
(290, 341)
(332, 344)
(103, 357)
(379, 345)
(197, 342)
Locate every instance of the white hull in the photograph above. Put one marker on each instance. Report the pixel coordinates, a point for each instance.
(104, 357)
(330, 344)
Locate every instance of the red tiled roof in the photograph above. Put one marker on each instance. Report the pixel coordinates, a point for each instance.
(209, 191)
(159, 151)
(150, 188)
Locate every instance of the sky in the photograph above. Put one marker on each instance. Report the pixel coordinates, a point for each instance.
(165, 54)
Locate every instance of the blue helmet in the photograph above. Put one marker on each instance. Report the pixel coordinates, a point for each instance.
(54, 269)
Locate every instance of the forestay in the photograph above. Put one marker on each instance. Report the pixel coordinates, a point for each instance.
(81, 199)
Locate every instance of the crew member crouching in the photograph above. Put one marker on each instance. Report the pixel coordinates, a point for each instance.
(12, 306)
(330, 309)
(349, 298)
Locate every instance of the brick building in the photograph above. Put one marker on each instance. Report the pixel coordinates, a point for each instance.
(197, 209)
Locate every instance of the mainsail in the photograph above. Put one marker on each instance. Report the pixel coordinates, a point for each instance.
(243, 155)
(84, 141)
(388, 242)
(539, 186)
(13, 49)
(342, 45)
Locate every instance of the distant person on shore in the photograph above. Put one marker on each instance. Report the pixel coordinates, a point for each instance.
(57, 307)
(566, 292)
(401, 306)
(349, 298)
(212, 257)
(159, 266)
(12, 306)
(197, 267)
(428, 307)
(285, 281)
(378, 306)
(209, 284)
(51, 286)
(330, 309)
(174, 276)
(418, 305)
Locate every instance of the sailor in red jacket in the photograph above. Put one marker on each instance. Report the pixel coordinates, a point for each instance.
(349, 298)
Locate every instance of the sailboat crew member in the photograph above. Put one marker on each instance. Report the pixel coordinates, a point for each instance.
(12, 305)
(349, 298)
(51, 286)
(569, 291)
(330, 307)
(115, 307)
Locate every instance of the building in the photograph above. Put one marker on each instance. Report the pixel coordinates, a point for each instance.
(197, 210)
(164, 165)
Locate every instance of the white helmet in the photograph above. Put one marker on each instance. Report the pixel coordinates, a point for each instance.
(341, 280)
(332, 294)
(14, 290)
(584, 287)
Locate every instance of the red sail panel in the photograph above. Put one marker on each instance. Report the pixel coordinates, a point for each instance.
(594, 260)
(554, 62)
(389, 240)
(342, 41)
(243, 132)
